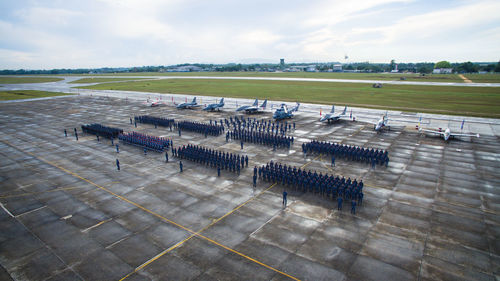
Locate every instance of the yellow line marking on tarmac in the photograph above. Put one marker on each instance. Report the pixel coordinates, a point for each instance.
(96, 225)
(40, 192)
(154, 214)
(205, 228)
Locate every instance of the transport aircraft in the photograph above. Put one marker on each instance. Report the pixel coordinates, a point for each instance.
(214, 106)
(254, 107)
(447, 134)
(188, 105)
(332, 116)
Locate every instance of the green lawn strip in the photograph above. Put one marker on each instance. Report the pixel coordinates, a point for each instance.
(27, 94)
(103, 80)
(28, 79)
(471, 101)
(321, 75)
(484, 78)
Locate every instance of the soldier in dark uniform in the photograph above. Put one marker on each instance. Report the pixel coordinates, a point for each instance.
(117, 164)
(353, 206)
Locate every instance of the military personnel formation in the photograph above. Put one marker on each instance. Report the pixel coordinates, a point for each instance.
(199, 127)
(263, 138)
(263, 132)
(348, 152)
(155, 143)
(212, 158)
(252, 124)
(157, 121)
(100, 130)
(329, 186)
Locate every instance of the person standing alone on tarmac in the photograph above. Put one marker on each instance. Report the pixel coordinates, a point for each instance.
(339, 203)
(284, 198)
(353, 206)
(117, 164)
(180, 166)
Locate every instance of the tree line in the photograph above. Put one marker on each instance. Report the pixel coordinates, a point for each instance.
(420, 67)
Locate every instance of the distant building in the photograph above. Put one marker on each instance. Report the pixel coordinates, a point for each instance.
(337, 68)
(187, 68)
(395, 70)
(442, 71)
(282, 62)
(311, 68)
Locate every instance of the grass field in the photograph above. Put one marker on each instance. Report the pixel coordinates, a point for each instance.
(484, 78)
(104, 80)
(471, 101)
(27, 94)
(27, 79)
(334, 75)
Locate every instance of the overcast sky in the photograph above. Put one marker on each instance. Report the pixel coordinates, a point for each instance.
(88, 34)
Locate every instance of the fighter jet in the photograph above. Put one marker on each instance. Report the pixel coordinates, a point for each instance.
(254, 107)
(188, 105)
(332, 116)
(381, 123)
(283, 112)
(154, 103)
(214, 106)
(446, 134)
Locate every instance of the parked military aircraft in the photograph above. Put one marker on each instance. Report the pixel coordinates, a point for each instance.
(154, 103)
(283, 112)
(188, 105)
(214, 106)
(381, 123)
(254, 107)
(447, 134)
(332, 116)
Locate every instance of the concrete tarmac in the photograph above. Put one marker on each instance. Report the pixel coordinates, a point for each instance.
(68, 214)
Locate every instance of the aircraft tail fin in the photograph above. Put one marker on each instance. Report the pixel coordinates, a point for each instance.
(221, 101)
(333, 109)
(194, 100)
(256, 102)
(345, 110)
(264, 104)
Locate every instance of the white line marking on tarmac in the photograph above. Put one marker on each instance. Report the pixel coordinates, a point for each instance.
(117, 242)
(31, 211)
(5, 209)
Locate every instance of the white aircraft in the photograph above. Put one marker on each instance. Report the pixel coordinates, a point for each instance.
(254, 107)
(154, 103)
(446, 134)
(332, 116)
(381, 123)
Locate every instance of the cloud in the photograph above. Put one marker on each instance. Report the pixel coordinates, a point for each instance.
(153, 32)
